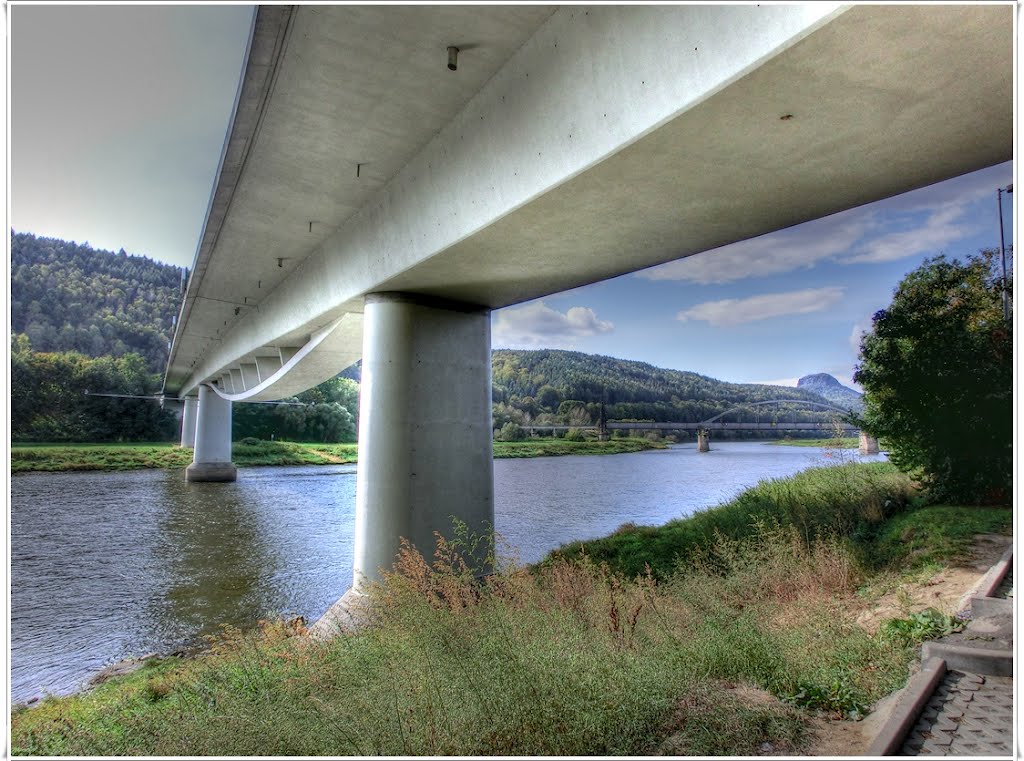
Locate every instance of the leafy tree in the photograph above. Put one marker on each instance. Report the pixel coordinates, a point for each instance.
(937, 371)
(50, 401)
(510, 432)
(548, 397)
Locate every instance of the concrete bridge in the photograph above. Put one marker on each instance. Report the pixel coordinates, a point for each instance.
(391, 174)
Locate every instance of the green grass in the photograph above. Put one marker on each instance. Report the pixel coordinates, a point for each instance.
(570, 657)
(560, 447)
(842, 500)
(27, 458)
(935, 535)
(842, 443)
(69, 457)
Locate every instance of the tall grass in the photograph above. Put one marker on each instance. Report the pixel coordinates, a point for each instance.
(568, 663)
(844, 500)
(570, 657)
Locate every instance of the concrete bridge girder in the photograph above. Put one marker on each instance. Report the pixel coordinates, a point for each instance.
(323, 356)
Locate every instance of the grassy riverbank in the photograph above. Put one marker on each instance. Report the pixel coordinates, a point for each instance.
(753, 632)
(844, 500)
(27, 458)
(846, 442)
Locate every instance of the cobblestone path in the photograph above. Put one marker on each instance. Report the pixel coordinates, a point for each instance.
(967, 715)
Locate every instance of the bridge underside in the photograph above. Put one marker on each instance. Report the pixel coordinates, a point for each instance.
(570, 145)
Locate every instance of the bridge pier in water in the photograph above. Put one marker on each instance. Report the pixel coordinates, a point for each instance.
(424, 427)
(868, 444)
(190, 409)
(211, 460)
(703, 440)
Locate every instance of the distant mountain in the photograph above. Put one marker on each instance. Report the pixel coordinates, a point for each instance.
(827, 386)
(549, 386)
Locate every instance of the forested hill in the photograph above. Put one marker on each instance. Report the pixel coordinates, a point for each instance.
(70, 297)
(550, 382)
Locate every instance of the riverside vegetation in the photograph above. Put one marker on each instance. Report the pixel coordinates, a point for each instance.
(50, 458)
(606, 647)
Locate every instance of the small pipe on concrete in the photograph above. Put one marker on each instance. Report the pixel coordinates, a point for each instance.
(453, 58)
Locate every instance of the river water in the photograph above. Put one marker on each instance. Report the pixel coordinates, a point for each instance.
(105, 566)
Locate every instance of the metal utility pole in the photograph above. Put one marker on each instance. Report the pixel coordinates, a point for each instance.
(1002, 250)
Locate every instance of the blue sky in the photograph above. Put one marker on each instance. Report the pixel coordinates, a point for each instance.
(773, 308)
(118, 115)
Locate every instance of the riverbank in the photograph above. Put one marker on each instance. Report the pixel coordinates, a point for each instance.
(52, 458)
(738, 650)
(846, 442)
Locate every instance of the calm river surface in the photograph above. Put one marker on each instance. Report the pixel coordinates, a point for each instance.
(109, 565)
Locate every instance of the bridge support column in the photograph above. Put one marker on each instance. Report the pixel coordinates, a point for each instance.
(424, 427)
(703, 440)
(190, 408)
(212, 458)
(868, 444)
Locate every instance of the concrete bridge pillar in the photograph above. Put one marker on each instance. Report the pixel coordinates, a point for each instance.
(703, 440)
(868, 444)
(188, 422)
(212, 458)
(424, 427)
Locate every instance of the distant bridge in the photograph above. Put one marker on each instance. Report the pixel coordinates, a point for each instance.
(713, 424)
(868, 445)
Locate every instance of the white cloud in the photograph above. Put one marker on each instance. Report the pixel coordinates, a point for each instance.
(943, 227)
(862, 326)
(537, 325)
(777, 382)
(797, 247)
(730, 312)
(847, 237)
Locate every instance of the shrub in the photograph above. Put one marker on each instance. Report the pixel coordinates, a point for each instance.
(510, 432)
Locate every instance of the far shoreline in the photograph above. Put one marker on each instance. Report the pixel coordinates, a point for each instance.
(56, 457)
(59, 457)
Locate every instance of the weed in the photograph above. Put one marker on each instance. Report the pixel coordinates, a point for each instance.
(917, 627)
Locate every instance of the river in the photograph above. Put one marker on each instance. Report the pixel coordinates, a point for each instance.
(105, 566)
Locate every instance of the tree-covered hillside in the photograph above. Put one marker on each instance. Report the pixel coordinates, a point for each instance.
(72, 306)
(70, 297)
(545, 386)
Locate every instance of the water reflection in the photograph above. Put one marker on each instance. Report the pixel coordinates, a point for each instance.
(215, 559)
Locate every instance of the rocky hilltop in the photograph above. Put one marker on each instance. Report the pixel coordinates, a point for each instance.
(825, 385)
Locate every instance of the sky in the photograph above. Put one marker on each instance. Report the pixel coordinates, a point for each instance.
(117, 120)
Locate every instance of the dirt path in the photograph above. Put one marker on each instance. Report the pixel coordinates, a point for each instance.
(331, 458)
(946, 591)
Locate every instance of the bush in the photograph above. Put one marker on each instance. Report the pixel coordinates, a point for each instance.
(510, 432)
